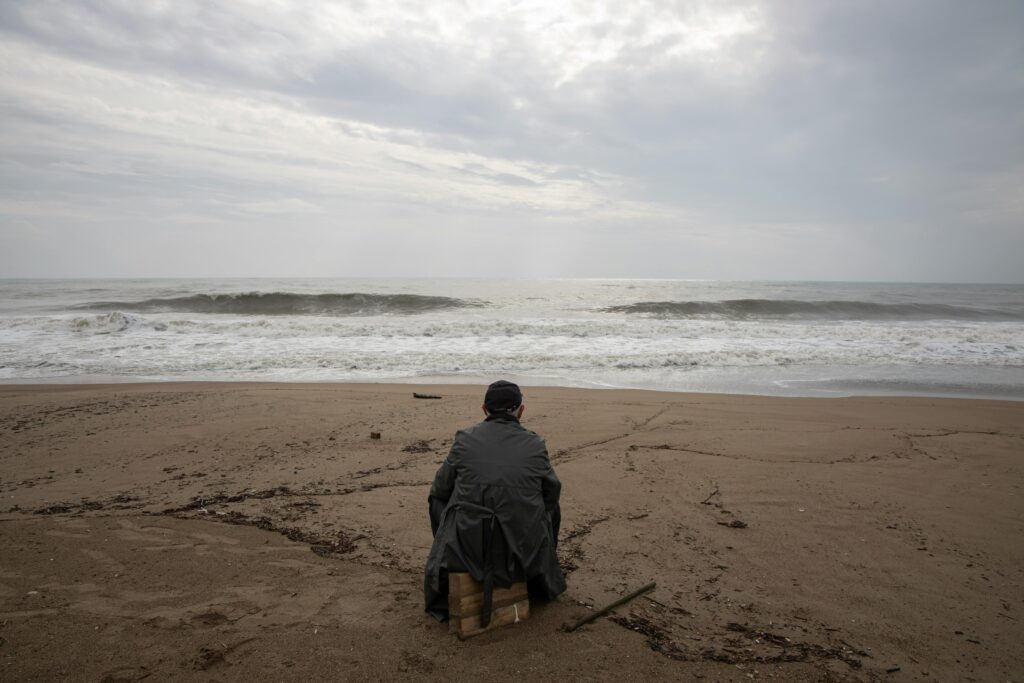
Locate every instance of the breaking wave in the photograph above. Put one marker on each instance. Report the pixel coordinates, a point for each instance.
(109, 323)
(753, 309)
(287, 303)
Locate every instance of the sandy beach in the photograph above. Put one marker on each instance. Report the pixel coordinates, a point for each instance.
(255, 532)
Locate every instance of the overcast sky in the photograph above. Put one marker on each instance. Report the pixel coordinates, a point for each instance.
(873, 140)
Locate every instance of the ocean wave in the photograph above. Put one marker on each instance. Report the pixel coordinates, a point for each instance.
(753, 309)
(125, 345)
(109, 323)
(288, 303)
(596, 331)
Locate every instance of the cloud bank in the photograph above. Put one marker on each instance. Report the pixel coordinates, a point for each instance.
(741, 140)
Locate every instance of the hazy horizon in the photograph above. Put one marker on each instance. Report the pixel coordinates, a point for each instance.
(199, 278)
(740, 141)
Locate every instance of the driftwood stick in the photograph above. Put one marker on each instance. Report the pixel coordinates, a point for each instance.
(710, 496)
(417, 395)
(608, 608)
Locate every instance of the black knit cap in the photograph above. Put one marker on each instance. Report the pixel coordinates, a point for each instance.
(502, 395)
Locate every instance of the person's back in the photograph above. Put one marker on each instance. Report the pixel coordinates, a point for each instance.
(494, 506)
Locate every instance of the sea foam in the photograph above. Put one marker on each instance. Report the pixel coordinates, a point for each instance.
(762, 337)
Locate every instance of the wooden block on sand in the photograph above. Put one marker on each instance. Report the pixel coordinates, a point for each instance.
(466, 597)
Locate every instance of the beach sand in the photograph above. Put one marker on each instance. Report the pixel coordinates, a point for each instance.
(256, 532)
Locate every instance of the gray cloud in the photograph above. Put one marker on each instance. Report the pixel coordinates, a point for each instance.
(787, 140)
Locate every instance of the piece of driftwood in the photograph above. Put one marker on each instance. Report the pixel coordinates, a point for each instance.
(465, 601)
(415, 395)
(735, 524)
(608, 608)
(710, 496)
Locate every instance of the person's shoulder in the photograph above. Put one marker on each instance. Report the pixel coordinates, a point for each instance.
(518, 426)
(470, 430)
(536, 438)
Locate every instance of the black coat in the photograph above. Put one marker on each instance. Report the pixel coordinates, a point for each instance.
(493, 500)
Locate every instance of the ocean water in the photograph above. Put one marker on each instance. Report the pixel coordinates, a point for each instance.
(788, 338)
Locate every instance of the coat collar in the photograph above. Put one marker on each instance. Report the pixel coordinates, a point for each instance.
(502, 417)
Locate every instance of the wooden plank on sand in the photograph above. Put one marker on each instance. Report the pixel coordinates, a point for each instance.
(465, 599)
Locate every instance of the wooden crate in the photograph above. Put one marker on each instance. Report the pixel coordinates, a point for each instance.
(466, 597)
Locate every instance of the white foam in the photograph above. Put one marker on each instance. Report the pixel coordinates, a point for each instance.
(552, 336)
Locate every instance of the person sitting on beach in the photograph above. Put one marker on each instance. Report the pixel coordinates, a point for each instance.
(494, 507)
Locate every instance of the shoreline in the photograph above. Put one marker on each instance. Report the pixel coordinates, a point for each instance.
(254, 530)
(1009, 394)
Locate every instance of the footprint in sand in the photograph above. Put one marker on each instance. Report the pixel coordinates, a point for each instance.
(129, 531)
(71, 528)
(211, 618)
(214, 539)
(127, 674)
(109, 563)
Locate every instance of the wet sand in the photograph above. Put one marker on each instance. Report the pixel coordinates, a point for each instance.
(256, 532)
